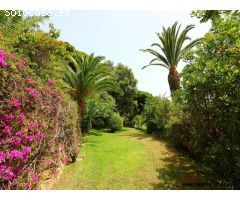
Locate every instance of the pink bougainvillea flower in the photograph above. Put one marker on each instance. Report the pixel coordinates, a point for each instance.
(35, 94)
(2, 53)
(2, 157)
(16, 141)
(32, 92)
(19, 133)
(11, 56)
(26, 151)
(52, 82)
(21, 117)
(29, 80)
(21, 64)
(34, 178)
(9, 174)
(57, 96)
(33, 125)
(28, 185)
(15, 103)
(9, 117)
(8, 130)
(48, 90)
(30, 138)
(15, 154)
(3, 141)
(39, 135)
(3, 63)
(15, 182)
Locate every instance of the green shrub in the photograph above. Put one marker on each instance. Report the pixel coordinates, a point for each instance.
(211, 99)
(156, 114)
(139, 122)
(98, 110)
(115, 122)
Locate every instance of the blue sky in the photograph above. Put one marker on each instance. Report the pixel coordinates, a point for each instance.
(118, 35)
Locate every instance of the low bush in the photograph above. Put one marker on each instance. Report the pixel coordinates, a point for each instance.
(156, 114)
(139, 122)
(97, 112)
(115, 122)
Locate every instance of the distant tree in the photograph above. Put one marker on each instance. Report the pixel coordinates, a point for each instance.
(141, 99)
(126, 102)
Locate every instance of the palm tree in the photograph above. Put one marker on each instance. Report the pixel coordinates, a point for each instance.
(87, 76)
(172, 50)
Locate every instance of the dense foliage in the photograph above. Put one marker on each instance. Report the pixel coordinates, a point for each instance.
(30, 141)
(98, 111)
(126, 102)
(212, 95)
(204, 117)
(115, 122)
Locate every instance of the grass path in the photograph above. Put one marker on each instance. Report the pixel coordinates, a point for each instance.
(128, 159)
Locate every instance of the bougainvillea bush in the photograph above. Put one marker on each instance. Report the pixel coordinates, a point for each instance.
(37, 125)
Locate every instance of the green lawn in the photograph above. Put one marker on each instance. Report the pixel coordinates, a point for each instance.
(128, 159)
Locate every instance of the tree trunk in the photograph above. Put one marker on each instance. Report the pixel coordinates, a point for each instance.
(173, 80)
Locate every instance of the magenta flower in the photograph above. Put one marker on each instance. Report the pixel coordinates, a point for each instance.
(52, 82)
(9, 174)
(3, 63)
(33, 125)
(57, 96)
(8, 130)
(19, 133)
(27, 150)
(15, 103)
(34, 178)
(2, 157)
(35, 94)
(32, 92)
(3, 141)
(2, 53)
(15, 182)
(39, 135)
(21, 117)
(28, 185)
(30, 138)
(16, 141)
(9, 117)
(29, 80)
(15, 154)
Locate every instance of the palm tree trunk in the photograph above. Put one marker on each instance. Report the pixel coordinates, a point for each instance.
(81, 117)
(173, 80)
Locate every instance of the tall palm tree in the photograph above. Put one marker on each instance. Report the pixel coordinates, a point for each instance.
(87, 76)
(171, 51)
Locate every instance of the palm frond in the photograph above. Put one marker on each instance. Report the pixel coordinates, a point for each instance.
(171, 46)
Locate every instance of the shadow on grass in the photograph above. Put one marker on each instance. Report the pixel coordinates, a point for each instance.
(95, 133)
(179, 170)
(179, 173)
(139, 136)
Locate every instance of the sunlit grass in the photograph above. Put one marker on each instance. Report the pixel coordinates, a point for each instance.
(128, 159)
